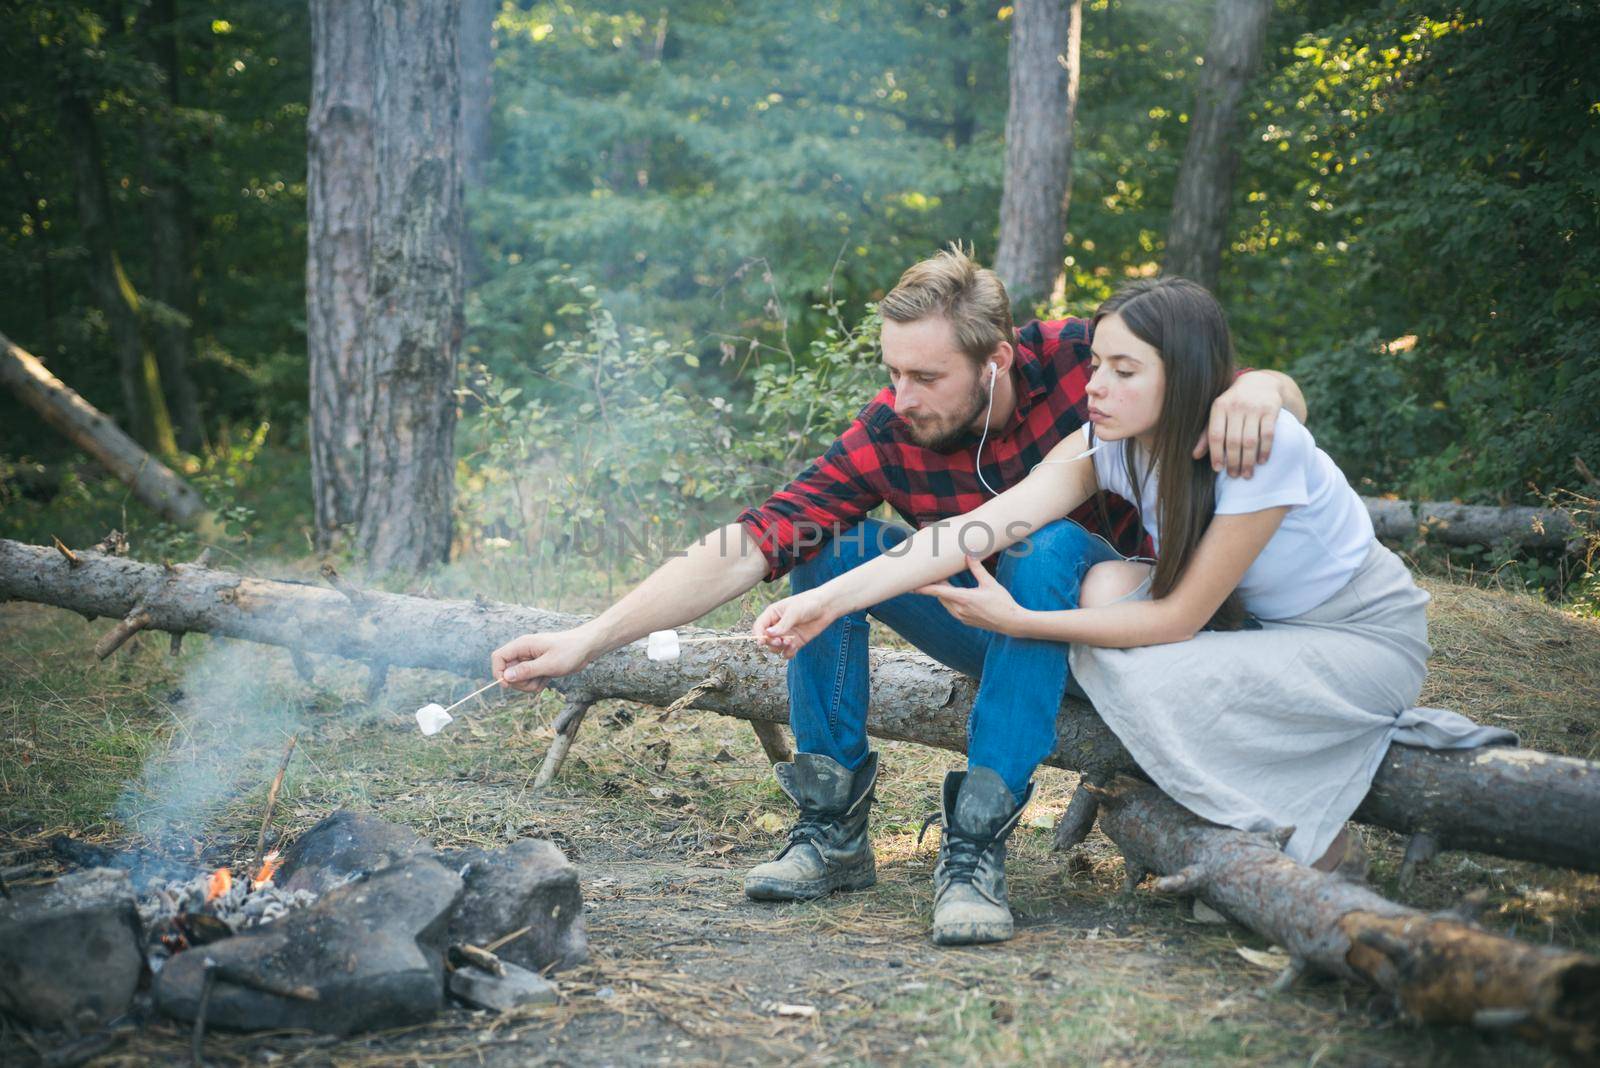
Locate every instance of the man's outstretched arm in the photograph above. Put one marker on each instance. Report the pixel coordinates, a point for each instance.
(714, 570)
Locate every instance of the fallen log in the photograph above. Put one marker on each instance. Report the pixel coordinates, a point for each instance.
(1441, 967)
(1448, 523)
(151, 481)
(1514, 803)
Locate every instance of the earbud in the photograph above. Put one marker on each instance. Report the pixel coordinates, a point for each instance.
(994, 373)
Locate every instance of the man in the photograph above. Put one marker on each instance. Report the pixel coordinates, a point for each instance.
(972, 406)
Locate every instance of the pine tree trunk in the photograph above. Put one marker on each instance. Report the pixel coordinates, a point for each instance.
(341, 177)
(1203, 199)
(414, 315)
(166, 214)
(146, 416)
(1044, 62)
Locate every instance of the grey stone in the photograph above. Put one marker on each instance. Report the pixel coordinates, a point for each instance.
(373, 951)
(502, 993)
(344, 844)
(529, 883)
(69, 952)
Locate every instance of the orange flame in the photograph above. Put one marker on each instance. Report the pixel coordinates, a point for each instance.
(269, 867)
(220, 882)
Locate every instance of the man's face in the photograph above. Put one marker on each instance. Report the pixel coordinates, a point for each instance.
(938, 391)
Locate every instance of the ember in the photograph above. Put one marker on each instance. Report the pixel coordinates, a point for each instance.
(220, 883)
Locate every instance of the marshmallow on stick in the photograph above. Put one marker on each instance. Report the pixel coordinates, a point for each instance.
(431, 719)
(666, 645)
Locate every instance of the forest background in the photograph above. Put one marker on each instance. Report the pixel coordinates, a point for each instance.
(679, 215)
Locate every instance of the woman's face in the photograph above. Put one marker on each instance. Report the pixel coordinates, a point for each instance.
(1128, 383)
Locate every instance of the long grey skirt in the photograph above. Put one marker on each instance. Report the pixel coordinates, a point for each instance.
(1283, 726)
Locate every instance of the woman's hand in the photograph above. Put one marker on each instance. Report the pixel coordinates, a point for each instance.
(788, 624)
(990, 606)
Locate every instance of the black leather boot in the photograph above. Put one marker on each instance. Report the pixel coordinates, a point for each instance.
(828, 847)
(977, 815)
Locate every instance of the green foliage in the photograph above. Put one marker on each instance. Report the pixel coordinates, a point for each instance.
(617, 453)
(234, 145)
(1424, 172)
(708, 166)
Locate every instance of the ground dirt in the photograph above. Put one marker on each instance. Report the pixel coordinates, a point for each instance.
(662, 819)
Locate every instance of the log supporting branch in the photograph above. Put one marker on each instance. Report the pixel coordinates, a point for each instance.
(118, 635)
(1440, 966)
(567, 722)
(1515, 803)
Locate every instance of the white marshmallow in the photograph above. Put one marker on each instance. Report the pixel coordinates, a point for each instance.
(662, 645)
(433, 718)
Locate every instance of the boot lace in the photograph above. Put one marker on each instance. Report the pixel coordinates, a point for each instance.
(962, 852)
(812, 828)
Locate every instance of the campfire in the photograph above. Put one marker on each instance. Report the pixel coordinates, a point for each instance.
(358, 925)
(193, 912)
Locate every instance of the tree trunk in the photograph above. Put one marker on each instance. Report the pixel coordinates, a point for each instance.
(1203, 199)
(1470, 524)
(166, 214)
(114, 293)
(414, 316)
(341, 176)
(1441, 967)
(1510, 802)
(1044, 62)
(151, 482)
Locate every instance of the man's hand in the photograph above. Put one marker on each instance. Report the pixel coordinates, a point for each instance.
(528, 662)
(788, 624)
(990, 606)
(1242, 423)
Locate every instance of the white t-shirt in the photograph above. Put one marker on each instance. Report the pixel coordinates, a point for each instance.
(1325, 535)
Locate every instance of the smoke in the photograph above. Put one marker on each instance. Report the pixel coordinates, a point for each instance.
(235, 714)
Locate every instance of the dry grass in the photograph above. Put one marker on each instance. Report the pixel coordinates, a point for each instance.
(662, 820)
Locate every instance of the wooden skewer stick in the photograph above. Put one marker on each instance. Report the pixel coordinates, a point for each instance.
(272, 802)
(471, 695)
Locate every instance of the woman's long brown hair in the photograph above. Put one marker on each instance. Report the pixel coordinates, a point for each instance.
(1184, 323)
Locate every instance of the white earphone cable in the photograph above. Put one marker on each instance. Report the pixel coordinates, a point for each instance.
(977, 463)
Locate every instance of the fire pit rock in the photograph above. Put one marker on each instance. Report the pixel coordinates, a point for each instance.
(527, 884)
(69, 953)
(345, 844)
(367, 955)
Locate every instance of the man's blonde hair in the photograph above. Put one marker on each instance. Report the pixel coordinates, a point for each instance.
(952, 285)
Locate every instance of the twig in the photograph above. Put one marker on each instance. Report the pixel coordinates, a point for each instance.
(228, 974)
(506, 940)
(72, 557)
(197, 1040)
(484, 959)
(272, 803)
(717, 680)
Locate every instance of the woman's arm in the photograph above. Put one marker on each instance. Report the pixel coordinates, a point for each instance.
(1230, 545)
(939, 550)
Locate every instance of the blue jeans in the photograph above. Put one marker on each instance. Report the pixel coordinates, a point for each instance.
(1021, 680)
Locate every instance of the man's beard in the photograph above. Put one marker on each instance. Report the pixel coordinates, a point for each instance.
(947, 435)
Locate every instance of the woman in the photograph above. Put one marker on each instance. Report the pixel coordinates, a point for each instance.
(1260, 668)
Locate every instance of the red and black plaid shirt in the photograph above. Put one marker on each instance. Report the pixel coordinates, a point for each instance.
(875, 460)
